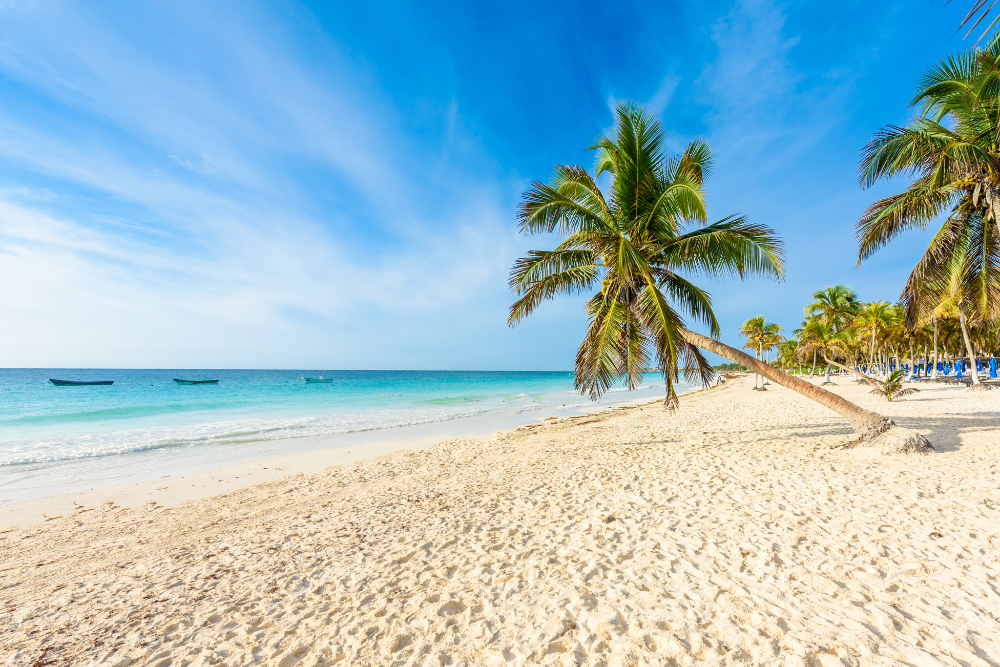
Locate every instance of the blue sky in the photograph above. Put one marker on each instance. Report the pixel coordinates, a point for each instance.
(333, 185)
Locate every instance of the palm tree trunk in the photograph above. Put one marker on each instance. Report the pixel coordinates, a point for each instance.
(993, 198)
(871, 381)
(968, 347)
(812, 373)
(866, 424)
(934, 367)
(873, 348)
(756, 376)
(910, 363)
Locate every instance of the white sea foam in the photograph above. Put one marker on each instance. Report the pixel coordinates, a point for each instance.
(74, 449)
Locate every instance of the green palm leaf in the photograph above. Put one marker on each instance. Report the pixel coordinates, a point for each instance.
(636, 241)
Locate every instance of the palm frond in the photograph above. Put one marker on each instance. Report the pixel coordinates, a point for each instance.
(887, 218)
(732, 246)
(544, 274)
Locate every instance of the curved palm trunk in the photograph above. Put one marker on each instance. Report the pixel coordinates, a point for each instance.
(968, 347)
(866, 424)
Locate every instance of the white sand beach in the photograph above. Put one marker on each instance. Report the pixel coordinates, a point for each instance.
(734, 531)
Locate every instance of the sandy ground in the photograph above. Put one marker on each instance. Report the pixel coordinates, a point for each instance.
(733, 532)
(175, 490)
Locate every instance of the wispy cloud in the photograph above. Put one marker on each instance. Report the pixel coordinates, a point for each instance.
(212, 182)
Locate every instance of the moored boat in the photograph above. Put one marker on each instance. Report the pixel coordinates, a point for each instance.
(320, 379)
(196, 381)
(77, 383)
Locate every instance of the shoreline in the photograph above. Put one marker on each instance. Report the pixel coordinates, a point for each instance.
(172, 490)
(734, 531)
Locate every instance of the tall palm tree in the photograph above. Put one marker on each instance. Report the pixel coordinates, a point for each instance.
(953, 153)
(760, 336)
(835, 306)
(874, 318)
(948, 296)
(772, 339)
(633, 244)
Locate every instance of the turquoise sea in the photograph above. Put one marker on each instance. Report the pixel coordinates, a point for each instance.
(144, 426)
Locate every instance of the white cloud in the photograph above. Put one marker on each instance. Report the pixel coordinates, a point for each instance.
(657, 104)
(197, 195)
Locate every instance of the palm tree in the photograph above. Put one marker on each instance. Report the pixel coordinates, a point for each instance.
(921, 294)
(803, 336)
(760, 336)
(953, 152)
(788, 354)
(772, 339)
(834, 306)
(830, 344)
(874, 318)
(892, 387)
(633, 244)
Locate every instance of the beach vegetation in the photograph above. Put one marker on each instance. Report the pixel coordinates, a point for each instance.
(637, 242)
(635, 245)
(761, 336)
(892, 387)
(729, 367)
(950, 152)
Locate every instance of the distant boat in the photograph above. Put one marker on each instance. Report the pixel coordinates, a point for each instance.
(75, 383)
(196, 381)
(319, 379)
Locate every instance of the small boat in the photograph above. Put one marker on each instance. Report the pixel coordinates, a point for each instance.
(320, 379)
(75, 383)
(196, 381)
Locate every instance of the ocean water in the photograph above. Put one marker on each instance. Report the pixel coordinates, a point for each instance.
(145, 426)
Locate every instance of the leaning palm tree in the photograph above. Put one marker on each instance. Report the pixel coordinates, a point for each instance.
(830, 344)
(633, 246)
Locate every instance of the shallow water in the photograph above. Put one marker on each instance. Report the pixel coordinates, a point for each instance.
(56, 439)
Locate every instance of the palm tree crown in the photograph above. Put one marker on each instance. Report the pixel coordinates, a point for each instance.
(834, 305)
(952, 153)
(632, 243)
